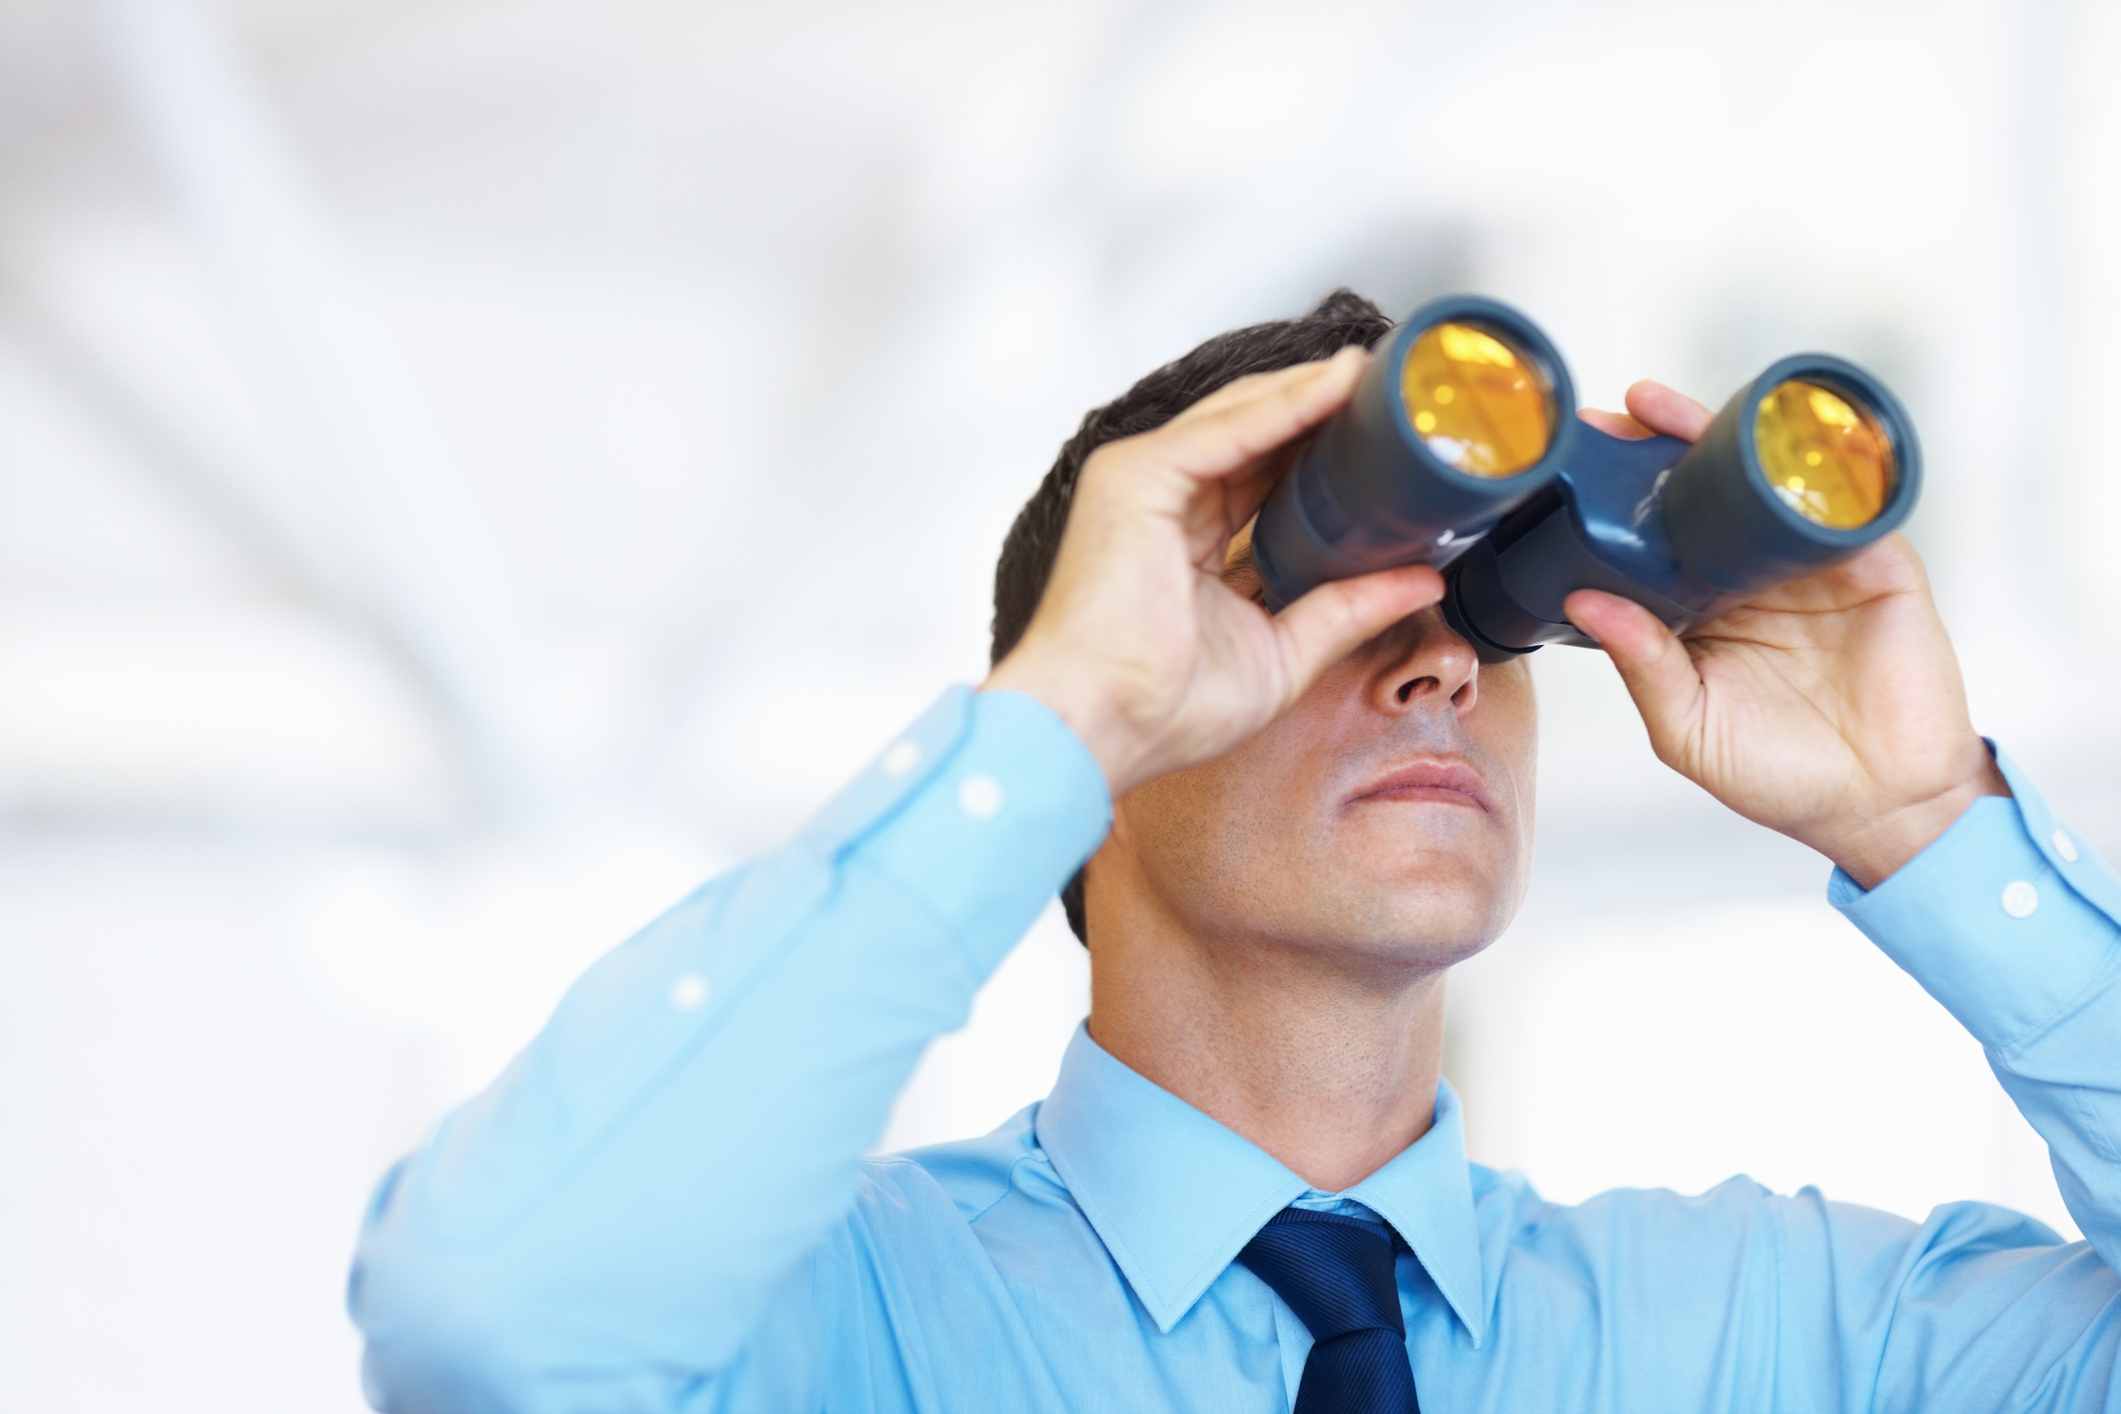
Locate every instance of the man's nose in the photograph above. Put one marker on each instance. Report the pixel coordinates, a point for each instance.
(1424, 666)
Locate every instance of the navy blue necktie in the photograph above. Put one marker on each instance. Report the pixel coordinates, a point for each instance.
(1335, 1273)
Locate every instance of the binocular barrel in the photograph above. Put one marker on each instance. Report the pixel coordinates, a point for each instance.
(1461, 448)
(1461, 417)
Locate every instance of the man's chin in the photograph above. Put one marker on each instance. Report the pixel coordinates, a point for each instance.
(1453, 907)
(1424, 926)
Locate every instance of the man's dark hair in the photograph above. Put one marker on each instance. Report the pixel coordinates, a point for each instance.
(1020, 576)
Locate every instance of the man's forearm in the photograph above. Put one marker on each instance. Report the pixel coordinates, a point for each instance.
(2013, 923)
(687, 1125)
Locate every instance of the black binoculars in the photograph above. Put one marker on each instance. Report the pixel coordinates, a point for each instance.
(1462, 449)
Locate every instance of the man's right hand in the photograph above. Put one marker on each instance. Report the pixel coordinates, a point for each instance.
(1138, 644)
(1829, 708)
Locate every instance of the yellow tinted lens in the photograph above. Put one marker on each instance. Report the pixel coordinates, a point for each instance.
(1827, 458)
(1480, 406)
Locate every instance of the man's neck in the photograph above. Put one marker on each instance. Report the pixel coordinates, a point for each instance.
(1328, 1064)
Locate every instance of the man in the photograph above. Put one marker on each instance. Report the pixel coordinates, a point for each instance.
(1248, 1190)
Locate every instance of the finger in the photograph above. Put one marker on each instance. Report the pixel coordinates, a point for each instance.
(1211, 441)
(1335, 619)
(1255, 385)
(1673, 414)
(1653, 663)
(1614, 424)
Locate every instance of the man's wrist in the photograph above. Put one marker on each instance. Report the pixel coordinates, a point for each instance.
(1876, 851)
(1076, 699)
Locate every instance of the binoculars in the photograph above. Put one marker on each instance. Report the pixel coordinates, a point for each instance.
(1462, 449)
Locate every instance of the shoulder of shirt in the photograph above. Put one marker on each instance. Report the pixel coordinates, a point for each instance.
(1509, 1196)
(974, 1173)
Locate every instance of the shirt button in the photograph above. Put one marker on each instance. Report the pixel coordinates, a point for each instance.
(689, 992)
(2020, 899)
(980, 797)
(2064, 845)
(901, 758)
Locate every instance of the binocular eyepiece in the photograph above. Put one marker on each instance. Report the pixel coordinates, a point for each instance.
(1461, 448)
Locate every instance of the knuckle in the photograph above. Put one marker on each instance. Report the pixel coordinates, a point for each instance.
(1112, 459)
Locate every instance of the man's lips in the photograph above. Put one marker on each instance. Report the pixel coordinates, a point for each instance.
(1442, 781)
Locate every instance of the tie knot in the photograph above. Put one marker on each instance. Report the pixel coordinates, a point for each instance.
(1335, 1272)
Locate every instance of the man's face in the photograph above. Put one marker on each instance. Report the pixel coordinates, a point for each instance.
(1385, 819)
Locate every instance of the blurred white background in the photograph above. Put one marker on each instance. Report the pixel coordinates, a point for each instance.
(468, 470)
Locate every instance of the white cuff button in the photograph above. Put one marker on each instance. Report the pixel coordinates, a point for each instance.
(2064, 845)
(901, 759)
(2020, 899)
(980, 797)
(689, 992)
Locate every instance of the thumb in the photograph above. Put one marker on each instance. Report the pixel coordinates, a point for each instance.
(1653, 663)
(1334, 619)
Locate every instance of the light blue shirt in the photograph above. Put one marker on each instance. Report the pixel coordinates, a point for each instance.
(662, 1205)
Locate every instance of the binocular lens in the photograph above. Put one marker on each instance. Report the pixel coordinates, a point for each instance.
(1828, 459)
(1480, 405)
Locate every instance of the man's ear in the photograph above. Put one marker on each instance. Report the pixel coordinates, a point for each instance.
(1240, 572)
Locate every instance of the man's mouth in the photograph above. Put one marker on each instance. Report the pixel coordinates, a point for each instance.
(1443, 782)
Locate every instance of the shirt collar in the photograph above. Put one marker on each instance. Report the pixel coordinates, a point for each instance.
(1175, 1195)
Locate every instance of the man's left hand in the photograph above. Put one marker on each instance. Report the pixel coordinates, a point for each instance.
(1830, 709)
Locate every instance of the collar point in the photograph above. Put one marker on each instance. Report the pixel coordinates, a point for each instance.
(1168, 1313)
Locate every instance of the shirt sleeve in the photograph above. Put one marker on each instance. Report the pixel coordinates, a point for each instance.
(2010, 921)
(604, 1226)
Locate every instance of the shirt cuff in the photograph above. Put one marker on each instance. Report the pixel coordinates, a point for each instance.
(980, 811)
(2007, 918)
